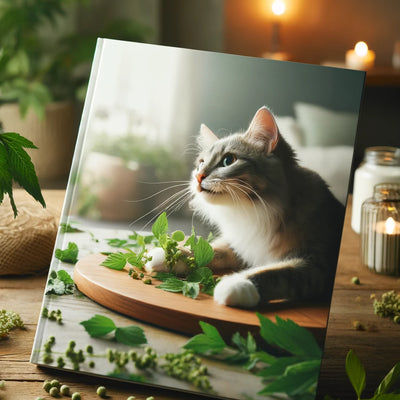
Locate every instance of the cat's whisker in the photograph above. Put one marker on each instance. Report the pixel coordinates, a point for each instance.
(163, 205)
(159, 192)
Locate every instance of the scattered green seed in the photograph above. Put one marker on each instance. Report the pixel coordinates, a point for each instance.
(92, 364)
(64, 390)
(55, 383)
(76, 396)
(47, 386)
(358, 326)
(355, 280)
(89, 349)
(150, 398)
(131, 398)
(396, 319)
(2, 383)
(147, 281)
(101, 391)
(54, 391)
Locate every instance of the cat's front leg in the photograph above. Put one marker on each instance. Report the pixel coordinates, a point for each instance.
(225, 259)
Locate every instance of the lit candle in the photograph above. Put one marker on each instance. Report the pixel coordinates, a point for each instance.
(387, 247)
(278, 9)
(360, 57)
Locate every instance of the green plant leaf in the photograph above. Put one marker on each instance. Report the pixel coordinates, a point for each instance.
(278, 366)
(191, 289)
(355, 372)
(16, 162)
(179, 236)
(387, 382)
(209, 341)
(160, 226)
(293, 385)
(203, 252)
(115, 242)
(130, 335)
(69, 255)
(174, 285)
(289, 336)
(60, 283)
(115, 261)
(98, 326)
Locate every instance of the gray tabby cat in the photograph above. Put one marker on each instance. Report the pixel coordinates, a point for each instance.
(279, 225)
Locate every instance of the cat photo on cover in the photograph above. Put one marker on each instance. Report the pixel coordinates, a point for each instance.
(279, 226)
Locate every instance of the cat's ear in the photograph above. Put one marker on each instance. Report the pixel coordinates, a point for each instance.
(263, 130)
(207, 137)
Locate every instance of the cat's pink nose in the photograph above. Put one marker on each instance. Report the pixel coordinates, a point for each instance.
(200, 177)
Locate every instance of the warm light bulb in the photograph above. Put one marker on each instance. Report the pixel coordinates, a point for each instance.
(361, 49)
(389, 225)
(278, 7)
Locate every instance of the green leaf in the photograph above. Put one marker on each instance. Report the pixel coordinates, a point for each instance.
(115, 261)
(160, 226)
(289, 336)
(203, 253)
(130, 335)
(179, 236)
(391, 377)
(69, 255)
(292, 385)
(163, 276)
(191, 289)
(60, 283)
(171, 285)
(68, 228)
(20, 164)
(278, 367)
(355, 372)
(98, 325)
(209, 341)
(116, 242)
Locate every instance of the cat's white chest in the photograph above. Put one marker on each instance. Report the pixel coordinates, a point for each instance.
(248, 231)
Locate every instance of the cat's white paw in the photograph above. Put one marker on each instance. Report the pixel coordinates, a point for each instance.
(236, 290)
(157, 262)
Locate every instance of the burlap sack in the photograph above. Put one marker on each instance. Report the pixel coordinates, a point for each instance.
(27, 241)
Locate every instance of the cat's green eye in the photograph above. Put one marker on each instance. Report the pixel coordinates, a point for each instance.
(228, 160)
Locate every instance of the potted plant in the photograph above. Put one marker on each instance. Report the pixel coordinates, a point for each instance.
(117, 170)
(41, 79)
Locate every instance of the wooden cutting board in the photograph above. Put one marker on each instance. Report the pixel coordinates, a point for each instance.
(119, 292)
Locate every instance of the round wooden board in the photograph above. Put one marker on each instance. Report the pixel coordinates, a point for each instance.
(119, 292)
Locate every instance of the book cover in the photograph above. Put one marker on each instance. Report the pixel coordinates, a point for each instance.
(205, 198)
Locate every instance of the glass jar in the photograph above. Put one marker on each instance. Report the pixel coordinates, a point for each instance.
(380, 164)
(380, 230)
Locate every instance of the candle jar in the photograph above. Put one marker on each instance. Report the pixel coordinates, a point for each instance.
(380, 164)
(380, 230)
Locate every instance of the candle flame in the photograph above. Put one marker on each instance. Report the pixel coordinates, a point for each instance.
(278, 7)
(361, 49)
(390, 225)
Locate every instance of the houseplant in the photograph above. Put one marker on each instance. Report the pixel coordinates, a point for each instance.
(42, 76)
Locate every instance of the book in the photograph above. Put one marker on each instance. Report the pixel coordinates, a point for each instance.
(104, 313)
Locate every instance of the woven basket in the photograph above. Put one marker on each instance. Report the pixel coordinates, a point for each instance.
(27, 241)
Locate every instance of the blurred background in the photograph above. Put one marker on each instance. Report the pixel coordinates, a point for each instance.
(47, 47)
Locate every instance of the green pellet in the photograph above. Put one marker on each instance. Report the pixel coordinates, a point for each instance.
(89, 349)
(92, 364)
(64, 390)
(55, 383)
(54, 391)
(76, 396)
(397, 319)
(47, 386)
(131, 398)
(101, 391)
(355, 280)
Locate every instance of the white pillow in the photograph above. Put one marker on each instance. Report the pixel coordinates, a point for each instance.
(324, 127)
(290, 130)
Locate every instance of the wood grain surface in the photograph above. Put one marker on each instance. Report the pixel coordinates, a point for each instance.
(117, 291)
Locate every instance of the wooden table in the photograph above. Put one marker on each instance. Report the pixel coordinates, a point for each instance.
(378, 346)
